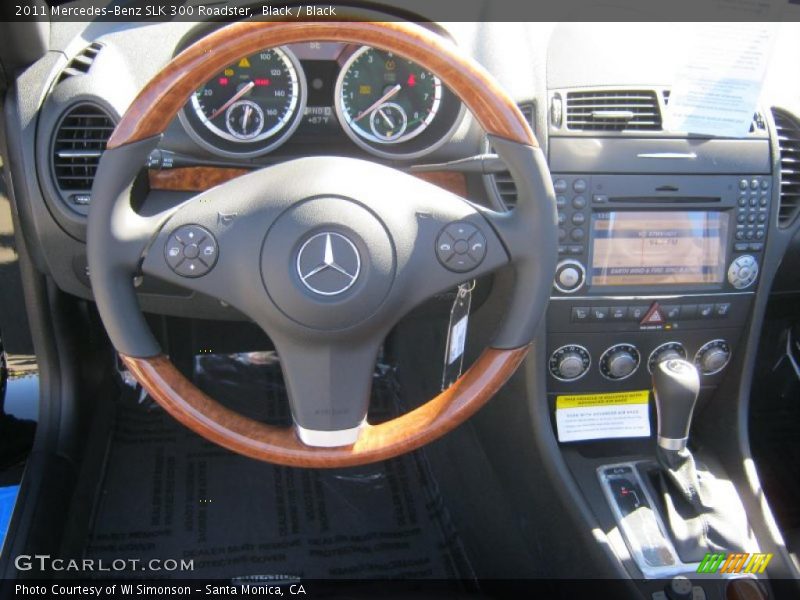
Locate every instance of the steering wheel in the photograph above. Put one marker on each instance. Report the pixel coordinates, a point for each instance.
(324, 254)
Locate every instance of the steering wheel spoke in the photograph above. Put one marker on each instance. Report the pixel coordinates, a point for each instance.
(329, 386)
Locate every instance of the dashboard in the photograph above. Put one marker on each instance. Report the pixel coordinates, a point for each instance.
(664, 238)
(669, 244)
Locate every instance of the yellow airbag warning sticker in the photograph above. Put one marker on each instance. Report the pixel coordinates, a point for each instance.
(603, 416)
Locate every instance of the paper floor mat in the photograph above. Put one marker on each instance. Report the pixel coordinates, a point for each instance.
(167, 493)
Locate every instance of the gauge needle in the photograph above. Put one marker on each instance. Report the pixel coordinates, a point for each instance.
(247, 111)
(378, 102)
(389, 122)
(235, 97)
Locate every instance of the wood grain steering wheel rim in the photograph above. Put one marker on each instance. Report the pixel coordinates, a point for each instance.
(150, 114)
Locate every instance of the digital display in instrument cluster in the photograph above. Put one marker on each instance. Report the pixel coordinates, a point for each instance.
(658, 248)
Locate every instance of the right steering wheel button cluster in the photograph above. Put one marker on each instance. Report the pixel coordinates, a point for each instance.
(191, 251)
(460, 247)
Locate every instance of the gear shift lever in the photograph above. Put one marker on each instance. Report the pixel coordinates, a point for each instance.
(701, 518)
(676, 386)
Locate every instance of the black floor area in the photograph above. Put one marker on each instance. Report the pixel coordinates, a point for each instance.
(167, 493)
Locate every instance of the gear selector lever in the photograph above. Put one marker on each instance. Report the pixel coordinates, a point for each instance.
(702, 514)
(676, 385)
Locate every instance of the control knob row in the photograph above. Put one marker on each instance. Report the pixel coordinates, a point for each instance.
(620, 361)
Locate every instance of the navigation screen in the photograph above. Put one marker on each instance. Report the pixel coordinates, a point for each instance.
(658, 248)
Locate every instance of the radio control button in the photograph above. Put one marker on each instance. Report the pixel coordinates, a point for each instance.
(754, 201)
(576, 249)
(577, 234)
(570, 276)
(560, 186)
(561, 202)
(765, 184)
(743, 271)
(740, 235)
(743, 184)
(740, 218)
(562, 218)
(563, 250)
(764, 201)
(742, 201)
(580, 314)
(741, 246)
(579, 185)
(757, 247)
(578, 202)
(578, 218)
(599, 313)
(754, 184)
(600, 199)
(759, 234)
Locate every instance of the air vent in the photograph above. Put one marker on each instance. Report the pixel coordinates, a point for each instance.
(81, 64)
(503, 181)
(788, 131)
(78, 144)
(618, 110)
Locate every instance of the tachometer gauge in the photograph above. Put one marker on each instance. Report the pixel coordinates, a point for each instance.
(250, 107)
(386, 99)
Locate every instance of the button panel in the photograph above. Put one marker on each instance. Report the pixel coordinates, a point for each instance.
(752, 210)
(191, 251)
(460, 247)
(573, 213)
(666, 313)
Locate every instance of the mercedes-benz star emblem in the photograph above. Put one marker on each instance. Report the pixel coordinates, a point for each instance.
(328, 263)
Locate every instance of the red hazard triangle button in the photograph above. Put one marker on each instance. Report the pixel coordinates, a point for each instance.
(654, 316)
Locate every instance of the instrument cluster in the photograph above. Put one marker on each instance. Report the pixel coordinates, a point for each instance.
(387, 105)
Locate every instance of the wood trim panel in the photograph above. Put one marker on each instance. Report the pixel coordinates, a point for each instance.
(199, 179)
(161, 99)
(192, 179)
(206, 417)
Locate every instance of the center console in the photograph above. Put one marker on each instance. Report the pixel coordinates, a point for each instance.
(660, 251)
(652, 266)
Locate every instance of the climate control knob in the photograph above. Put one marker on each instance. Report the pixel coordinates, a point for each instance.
(712, 357)
(665, 352)
(569, 362)
(619, 362)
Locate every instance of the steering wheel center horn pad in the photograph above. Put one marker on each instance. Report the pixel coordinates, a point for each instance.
(325, 254)
(328, 263)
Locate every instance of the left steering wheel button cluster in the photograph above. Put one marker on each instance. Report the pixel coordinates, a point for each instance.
(461, 247)
(191, 251)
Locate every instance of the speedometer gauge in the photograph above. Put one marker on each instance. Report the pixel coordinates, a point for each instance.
(386, 99)
(250, 107)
